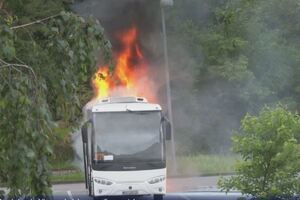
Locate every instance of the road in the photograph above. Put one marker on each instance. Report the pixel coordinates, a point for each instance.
(191, 188)
(206, 183)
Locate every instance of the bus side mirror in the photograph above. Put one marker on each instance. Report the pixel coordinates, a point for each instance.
(168, 129)
(84, 133)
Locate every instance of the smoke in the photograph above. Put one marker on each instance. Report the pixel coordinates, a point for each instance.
(77, 138)
(206, 108)
(194, 114)
(78, 150)
(117, 17)
(200, 123)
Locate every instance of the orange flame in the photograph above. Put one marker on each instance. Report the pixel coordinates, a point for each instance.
(131, 74)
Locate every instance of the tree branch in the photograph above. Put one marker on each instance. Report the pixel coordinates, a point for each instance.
(13, 65)
(34, 22)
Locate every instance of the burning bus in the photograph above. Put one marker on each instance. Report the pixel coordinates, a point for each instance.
(124, 137)
(124, 148)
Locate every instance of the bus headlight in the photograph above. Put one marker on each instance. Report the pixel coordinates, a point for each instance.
(103, 181)
(156, 179)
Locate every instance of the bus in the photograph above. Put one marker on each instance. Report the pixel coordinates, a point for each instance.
(124, 148)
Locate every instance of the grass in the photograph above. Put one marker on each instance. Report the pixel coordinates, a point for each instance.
(63, 166)
(77, 176)
(206, 164)
(66, 172)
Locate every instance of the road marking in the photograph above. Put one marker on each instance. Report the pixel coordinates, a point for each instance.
(70, 194)
(184, 197)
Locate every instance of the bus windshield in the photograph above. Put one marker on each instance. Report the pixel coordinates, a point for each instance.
(128, 136)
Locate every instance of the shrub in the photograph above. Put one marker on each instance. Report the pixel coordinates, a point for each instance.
(270, 153)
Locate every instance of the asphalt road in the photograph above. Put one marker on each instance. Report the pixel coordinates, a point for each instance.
(191, 188)
(174, 185)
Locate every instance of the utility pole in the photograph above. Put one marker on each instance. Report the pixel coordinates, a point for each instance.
(167, 74)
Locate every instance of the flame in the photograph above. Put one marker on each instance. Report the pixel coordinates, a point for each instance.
(131, 74)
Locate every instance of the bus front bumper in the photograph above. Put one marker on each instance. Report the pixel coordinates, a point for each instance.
(129, 189)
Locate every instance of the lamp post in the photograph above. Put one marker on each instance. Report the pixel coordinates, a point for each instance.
(164, 3)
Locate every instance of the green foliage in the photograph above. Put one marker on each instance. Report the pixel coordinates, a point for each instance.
(270, 153)
(47, 56)
(233, 71)
(24, 134)
(243, 54)
(62, 142)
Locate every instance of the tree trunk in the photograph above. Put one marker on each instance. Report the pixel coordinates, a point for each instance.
(1, 4)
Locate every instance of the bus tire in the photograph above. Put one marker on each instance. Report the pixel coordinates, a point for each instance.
(100, 198)
(158, 197)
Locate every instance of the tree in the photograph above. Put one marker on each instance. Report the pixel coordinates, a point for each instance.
(47, 57)
(270, 154)
(242, 55)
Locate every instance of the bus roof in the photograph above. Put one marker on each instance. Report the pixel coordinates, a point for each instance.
(120, 104)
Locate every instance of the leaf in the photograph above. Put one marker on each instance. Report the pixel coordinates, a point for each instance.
(49, 149)
(268, 150)
(8, 51)
(30, 153)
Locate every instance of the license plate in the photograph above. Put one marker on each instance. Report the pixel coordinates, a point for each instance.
(130, 192)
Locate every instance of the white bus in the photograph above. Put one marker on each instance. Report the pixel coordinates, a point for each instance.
(124, 148)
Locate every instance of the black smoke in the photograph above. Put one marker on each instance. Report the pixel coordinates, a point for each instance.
(117, 16)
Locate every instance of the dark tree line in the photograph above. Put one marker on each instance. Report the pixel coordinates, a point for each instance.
(230, 58)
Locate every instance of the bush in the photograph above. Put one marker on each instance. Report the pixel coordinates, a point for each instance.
(62, 145)
(270, 153)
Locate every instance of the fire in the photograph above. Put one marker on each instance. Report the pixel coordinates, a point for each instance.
(131, 74)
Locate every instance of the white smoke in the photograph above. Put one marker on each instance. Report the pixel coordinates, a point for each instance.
(77, 139)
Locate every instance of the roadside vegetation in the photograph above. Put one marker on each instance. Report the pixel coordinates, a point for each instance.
(227, 59)
(206, 165)
(67, 177)
(270, 150)
(47, 56)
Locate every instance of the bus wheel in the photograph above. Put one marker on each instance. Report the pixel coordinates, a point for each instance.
(158, 197)
(100, 198)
